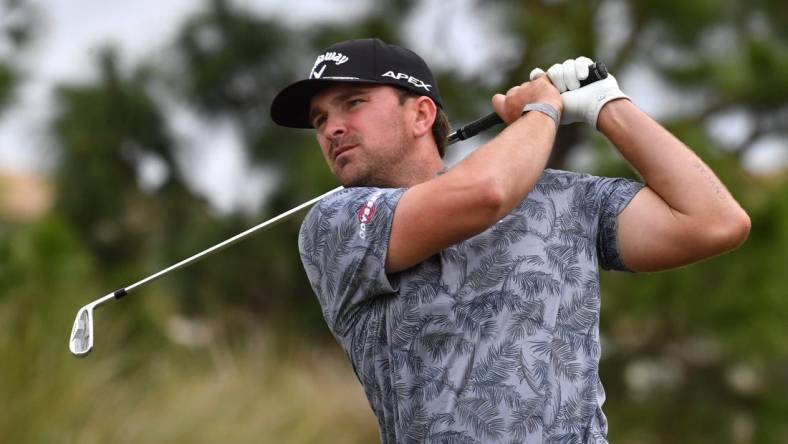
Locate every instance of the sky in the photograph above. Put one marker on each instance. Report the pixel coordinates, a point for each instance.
(71, 37)
(64, 48)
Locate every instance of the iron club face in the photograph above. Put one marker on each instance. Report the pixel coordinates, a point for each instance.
(81, 341)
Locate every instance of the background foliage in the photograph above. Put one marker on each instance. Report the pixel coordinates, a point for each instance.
(234, 348)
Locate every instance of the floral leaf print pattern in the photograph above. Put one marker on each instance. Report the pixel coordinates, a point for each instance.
(495, 339)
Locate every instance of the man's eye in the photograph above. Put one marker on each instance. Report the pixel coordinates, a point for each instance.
(354, 102)
(320, 120)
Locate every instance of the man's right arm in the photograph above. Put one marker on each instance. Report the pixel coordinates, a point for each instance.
(481, 189)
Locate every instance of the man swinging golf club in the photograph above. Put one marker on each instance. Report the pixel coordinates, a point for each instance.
(467, 300)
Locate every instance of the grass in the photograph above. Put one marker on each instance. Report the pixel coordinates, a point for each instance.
(178, 395)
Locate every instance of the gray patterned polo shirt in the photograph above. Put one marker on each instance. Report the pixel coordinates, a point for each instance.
(495, 339)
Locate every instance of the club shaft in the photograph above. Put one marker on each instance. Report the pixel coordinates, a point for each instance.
(102, 300)
(237, 238)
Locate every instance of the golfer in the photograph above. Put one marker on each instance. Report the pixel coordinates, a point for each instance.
(467, 299)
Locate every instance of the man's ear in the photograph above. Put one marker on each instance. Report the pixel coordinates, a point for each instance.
(424, 115)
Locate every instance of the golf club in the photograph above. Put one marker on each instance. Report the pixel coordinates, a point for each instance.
(81, 341)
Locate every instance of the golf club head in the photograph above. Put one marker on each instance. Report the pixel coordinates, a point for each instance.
(81, 341)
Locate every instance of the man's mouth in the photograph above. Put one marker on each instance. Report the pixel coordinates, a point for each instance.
(341, 149)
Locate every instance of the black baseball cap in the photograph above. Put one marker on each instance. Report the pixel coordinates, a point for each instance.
(354, 61)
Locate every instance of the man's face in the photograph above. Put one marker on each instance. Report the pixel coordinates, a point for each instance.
(362, 133)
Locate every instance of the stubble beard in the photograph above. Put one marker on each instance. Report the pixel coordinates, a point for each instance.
(379, 166)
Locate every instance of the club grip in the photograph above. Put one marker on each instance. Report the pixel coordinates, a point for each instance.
(475, 127)
(596, 72)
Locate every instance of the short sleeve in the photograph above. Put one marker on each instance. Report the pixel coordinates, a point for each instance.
(343, 243)
(613, 195)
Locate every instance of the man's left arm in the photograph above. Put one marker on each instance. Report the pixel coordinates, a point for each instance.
(685, 213)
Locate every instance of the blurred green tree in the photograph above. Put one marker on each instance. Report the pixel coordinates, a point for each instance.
(103, 130)
(7, 80)
(17, 21)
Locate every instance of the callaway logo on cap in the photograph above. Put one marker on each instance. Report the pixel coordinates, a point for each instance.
(354, 61)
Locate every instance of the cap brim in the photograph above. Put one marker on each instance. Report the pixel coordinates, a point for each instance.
(291, 106)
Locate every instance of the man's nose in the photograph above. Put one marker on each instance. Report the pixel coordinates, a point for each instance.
(334, 126)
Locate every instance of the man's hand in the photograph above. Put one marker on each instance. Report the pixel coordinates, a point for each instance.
(510, 106)
(580, 104)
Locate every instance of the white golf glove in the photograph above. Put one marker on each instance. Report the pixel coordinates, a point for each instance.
(580, 104)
